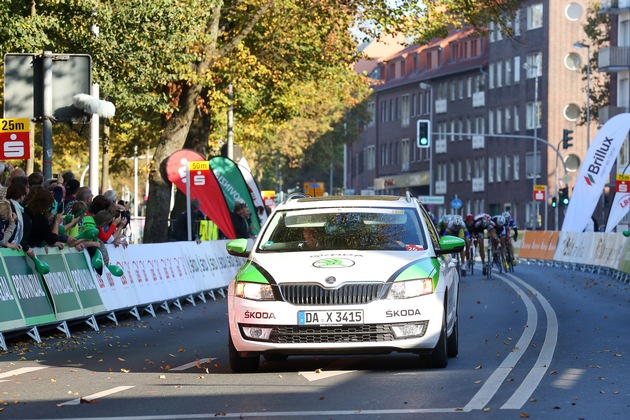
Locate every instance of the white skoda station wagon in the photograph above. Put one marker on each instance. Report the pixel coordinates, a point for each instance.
(345, 275)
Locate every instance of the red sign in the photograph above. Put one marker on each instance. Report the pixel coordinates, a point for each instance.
(14, 139)
(540, 192)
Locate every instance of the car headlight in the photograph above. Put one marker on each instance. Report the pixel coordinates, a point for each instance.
(410, 288)
(254, 291)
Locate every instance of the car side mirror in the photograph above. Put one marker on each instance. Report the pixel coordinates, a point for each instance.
(238, 247)
(450, 245)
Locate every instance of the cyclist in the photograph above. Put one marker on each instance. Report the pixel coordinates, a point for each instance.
(510, 229)
(442, 225)
(495, 231)
(476, 227)
(457, 227)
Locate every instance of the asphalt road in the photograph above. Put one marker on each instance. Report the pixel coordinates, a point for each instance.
(542, 343)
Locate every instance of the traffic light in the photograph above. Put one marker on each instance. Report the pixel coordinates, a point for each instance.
(566, 138)
(424, 133)
(564, 196)
(554, 202)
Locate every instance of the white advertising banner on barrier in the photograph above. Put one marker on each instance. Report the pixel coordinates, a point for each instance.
(159, 272)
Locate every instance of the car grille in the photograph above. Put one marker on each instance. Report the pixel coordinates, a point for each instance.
(348, 334)
(347, 294)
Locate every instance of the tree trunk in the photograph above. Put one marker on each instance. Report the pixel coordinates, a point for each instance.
(158, 205)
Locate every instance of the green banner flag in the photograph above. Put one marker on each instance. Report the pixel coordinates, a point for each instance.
(85, 284)
(30, 291)
(60, 285)
(234, 187)
(10, 314)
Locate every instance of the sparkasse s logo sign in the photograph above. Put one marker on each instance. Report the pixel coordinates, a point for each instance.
(14, 138)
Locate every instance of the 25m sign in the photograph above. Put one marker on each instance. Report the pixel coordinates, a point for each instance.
(14, 138)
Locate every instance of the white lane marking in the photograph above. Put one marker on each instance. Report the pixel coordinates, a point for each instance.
(21, 371)
(491, 386)
(324, 374)
(192, 364)
(533, 378)
(95, 396)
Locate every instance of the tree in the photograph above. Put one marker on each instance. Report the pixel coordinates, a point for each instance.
(166, 65)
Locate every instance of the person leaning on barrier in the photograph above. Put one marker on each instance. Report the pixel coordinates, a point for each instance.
(14, 232)
(41, 222)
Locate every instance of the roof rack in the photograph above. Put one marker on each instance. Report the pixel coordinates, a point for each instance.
(408, 194)
(296, 196)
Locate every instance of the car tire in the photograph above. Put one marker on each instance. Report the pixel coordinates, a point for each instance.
(240, 364)
(452, 344)
(439, 356)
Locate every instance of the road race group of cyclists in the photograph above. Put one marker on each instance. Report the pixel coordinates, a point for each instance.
(501, 229)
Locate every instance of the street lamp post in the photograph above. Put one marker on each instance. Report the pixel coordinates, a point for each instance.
(429, 87)
(580, 45)
(536, 111)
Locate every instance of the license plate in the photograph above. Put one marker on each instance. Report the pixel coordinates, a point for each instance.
(330, 317)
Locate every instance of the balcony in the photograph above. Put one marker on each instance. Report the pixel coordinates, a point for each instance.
(479, 99)
(440, 106)
(614, 7)
(478, 142)
(607, 112)
(478, 184)
(440, 187)
(614, 59)
(440, 146)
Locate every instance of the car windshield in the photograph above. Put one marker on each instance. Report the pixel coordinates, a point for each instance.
(343, 229)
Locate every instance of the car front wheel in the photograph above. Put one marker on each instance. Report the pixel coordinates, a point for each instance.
(240, 364)
(439, 356)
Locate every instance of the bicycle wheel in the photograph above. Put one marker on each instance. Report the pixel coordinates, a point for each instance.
(510, 258)
(489, 261)
(496, 259)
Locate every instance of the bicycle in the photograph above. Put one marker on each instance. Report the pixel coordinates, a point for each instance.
(489, 255)
(472, 254)
(509, 258)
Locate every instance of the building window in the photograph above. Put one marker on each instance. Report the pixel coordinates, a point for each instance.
(491, 76)
(500, 74)
(534, 65)
(517, 69)
(508, 167)
(490, 170)
(490, 122)
(508, 120)
(371, 109)
(452, 171)
(535, 16)
(499, 121)
(405, 111)
(499, 168)
(517, 167)
(533, 115)
(460, 171)
(508, 72)
(371, 157)
(405, 158)
(452, 130)
(413, 105)
(468, 170)
(517, 120)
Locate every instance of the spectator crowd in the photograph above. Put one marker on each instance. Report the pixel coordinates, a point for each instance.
(40, 213)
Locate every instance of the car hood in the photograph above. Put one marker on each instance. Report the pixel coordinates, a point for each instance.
(347, 266)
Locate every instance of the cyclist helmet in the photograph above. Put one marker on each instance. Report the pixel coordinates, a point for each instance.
(469, 217)
(500, 220)
(458, 221)
(507, 215)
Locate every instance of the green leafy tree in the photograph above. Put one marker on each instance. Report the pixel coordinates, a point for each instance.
(166, 65)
